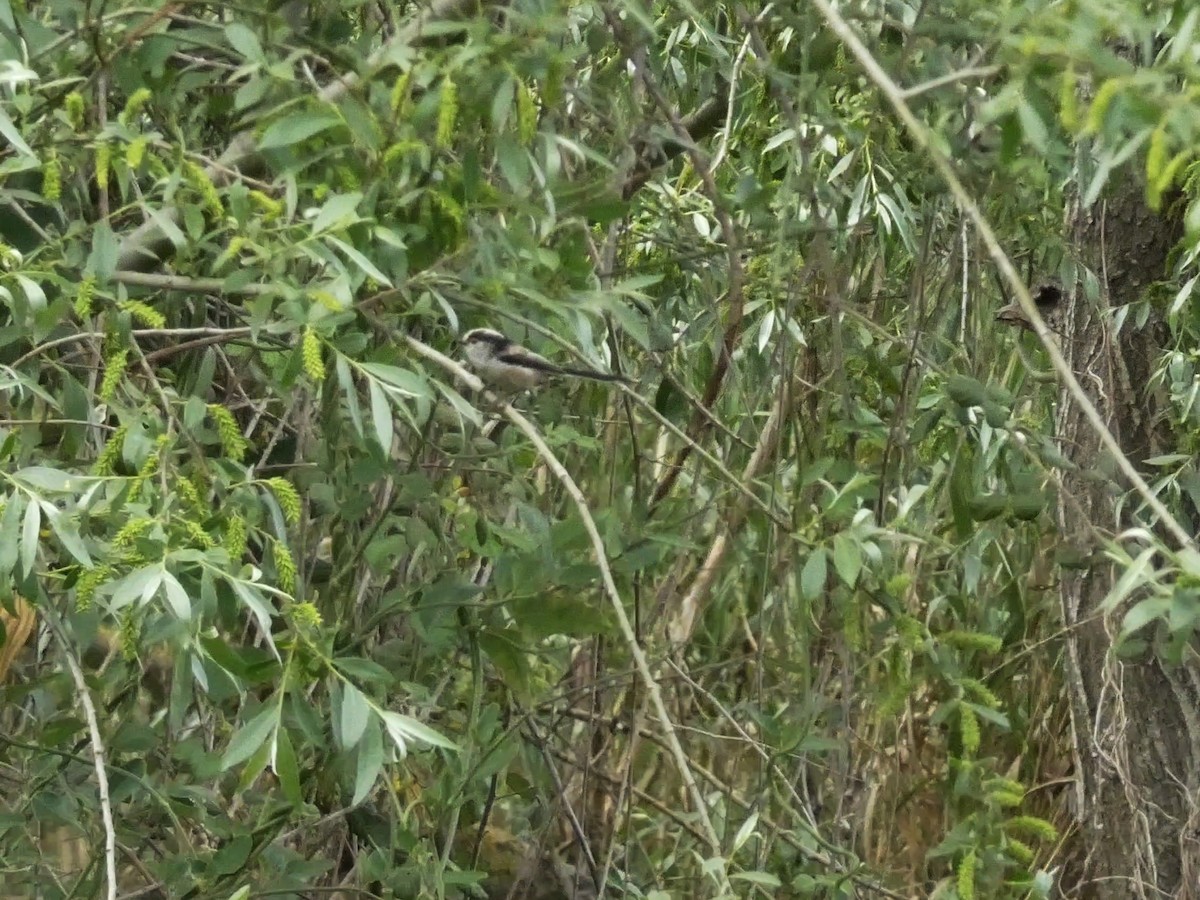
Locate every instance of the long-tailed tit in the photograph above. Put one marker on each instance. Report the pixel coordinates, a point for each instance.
(506, 364)
(1046, 298)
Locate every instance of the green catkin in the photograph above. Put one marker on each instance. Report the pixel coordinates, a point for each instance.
(198, 179)
(400, 93)
(130, 636)
(288, 498)
(144, 313)
(86, 585)
(966, 877)
(447, 113)
(52, 178)
(130, 532)
(135, 152)
(233, 444)
(1068, 100)
(106, 461)
(968, 727)
(235, 538)
(526, 113)
(1019, 850)
(114, 370)
(1100, 104)
(199, 536)
(310, 351)
(83, 297)
(285, 566)
(134, 105)
(103, 161)
(270, 207)
(76, 110)
(1033, 825)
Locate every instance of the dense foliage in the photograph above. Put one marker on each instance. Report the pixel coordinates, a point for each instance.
(322, 616)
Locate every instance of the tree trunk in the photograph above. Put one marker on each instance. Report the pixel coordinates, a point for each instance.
(1135, 723)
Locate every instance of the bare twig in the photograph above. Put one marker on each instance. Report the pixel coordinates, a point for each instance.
(98, 752)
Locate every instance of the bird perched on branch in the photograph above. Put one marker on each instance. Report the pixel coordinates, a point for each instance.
(505, 363)
(1047, 298)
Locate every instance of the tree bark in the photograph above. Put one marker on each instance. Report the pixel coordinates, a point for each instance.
(1136, 724)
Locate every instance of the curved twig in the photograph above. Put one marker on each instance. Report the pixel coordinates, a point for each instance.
(610, 587)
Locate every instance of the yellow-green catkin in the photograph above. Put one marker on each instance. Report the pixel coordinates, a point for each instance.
(306, 616)
(968, 728)
(233, 444)
(235, 537)
(103, 161)
(285, 566)
(288, 497)
(130, 532)
(134, 105)
(1068, 100)
(144, 313)
(131, 635)
(75, 110)
(199, 181)
(198, 535)
(399, 97)
(1100, 104)
(310, 351)
(87, 583)
(135, 151)
(52, 178)
(1033, 825)
(114, 370)
(447, 113)
(1019, 850)
(83, 297)
(1156, 153)
(966, 877)
(106, 461)
(526, 113)
(269, 207)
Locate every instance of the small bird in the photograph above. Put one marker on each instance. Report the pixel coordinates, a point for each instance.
(504, 363)
(1046, 298)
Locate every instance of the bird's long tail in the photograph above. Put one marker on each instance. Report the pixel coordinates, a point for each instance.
(592, 374)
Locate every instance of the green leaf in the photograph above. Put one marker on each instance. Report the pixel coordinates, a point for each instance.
(405, 728)
(48, 479)
(359, 260)
(252, 597)
(29, 537)
(363, 669)
(9, 130)
(247, 739)
(353, 715)
(370, 762)
(286, 767)
(340, 210)
(402, 380)
(177, 597)
(381, 416)
(295, 128)
(847, 558)
(64, 529)
(102, 261)
(814, 574)
(10, 532)
(245, 42)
